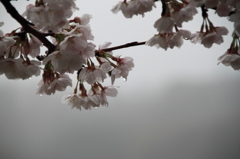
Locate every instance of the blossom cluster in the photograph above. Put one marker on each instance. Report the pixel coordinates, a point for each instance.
(74, 52)
(176, 12)
(70, 47)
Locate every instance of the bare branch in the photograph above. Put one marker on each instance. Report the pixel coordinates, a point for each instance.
(124, 46)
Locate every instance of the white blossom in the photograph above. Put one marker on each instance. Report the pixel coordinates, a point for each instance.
(185, 14)
(19, 69)
(232, 60)
(123, 7)
(122, 69)
(50, 84)
(92, 74)
(52, 16)
(72, 100)
(60, 83)
(214, 37)
(164, 24)
(140, 6)
(160, 40)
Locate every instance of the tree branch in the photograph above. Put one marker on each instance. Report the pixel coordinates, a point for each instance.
(26, 25)
(124, 46)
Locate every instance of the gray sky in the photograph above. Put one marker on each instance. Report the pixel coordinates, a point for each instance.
(176, 104)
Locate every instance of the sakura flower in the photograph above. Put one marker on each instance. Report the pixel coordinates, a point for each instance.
(19, 69)
(72, 100)
(38, 16)
(85, 30)
(197, 37)
(81, 26)
(105, 45)
(71, 56)
(123, 7)
(236, 19)
(160, 40)
(34, 46)
(73, 43)
(12, 68)
(60, 83)
(185, 14)
(92, 101)
(122, 69)
(140, 6)
(214, 36)
(52, 15)
(177, 38)
(83, 20)
(92, 74)
(50, 83)
(5, 43)
(232, 60)
(43, 88)
(107, 91)
(223, 9)
(169, 40)
(164, 24)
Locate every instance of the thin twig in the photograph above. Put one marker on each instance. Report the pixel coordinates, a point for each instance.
(124, 46)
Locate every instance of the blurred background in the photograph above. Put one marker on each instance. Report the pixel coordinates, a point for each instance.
(176, 104)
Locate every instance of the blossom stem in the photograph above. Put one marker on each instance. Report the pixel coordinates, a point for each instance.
(76, 88)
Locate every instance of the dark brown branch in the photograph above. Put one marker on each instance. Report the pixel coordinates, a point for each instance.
(26, 25)
(124, 46)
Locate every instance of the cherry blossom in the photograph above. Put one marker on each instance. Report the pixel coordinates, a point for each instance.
(5, 42)
(123, 7)
(140, 6)
(52, 15)
(164, 24)
(72, 54)
(72, 100)
(232, 60)
(19, 69)
(124, 65)
(214, 36)
(185, 14)
(92, 74)
(232, 55)
(133, 7)
(159, 40)
(236, 19)
(70, 46)
(52, 82)
(169, 40)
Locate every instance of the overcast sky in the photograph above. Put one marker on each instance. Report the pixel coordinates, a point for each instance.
(176, 104)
